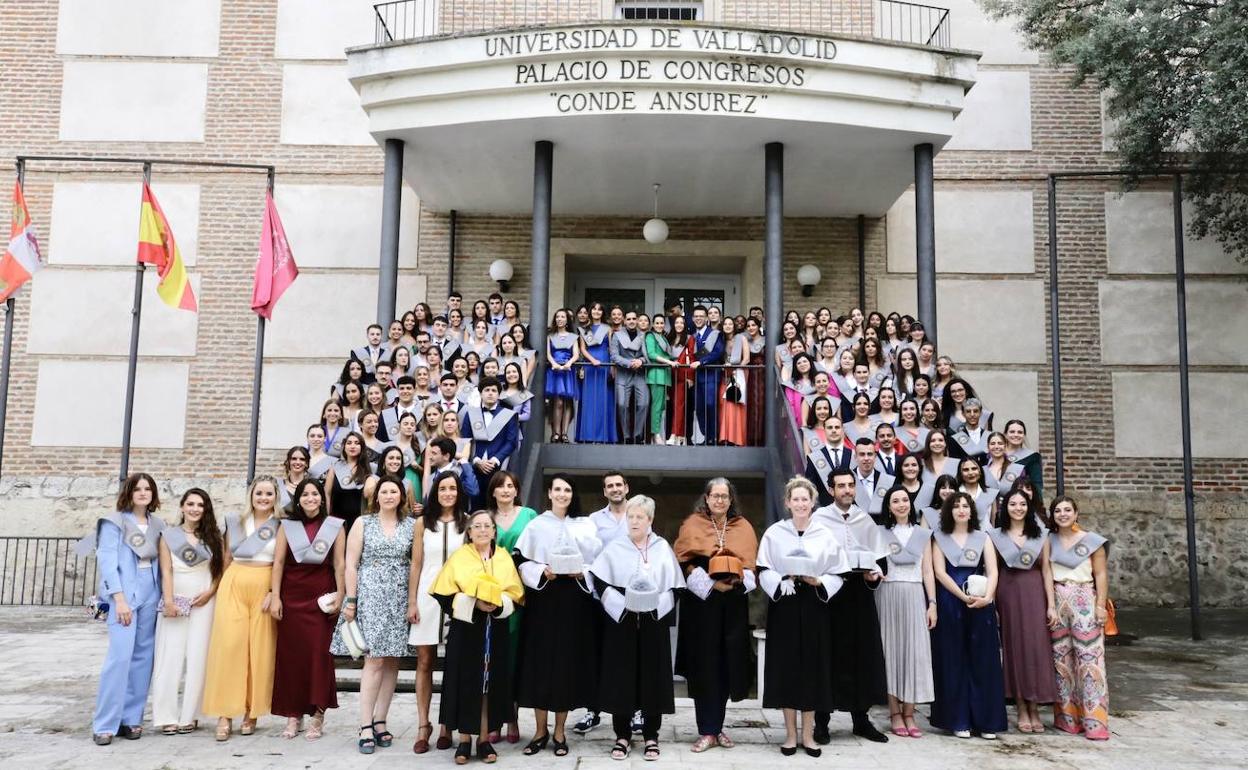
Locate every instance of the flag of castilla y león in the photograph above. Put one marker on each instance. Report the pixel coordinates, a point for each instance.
(158, 247)
(21, 257)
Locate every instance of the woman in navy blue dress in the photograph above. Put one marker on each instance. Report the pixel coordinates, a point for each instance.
(562, 353)
(966, 647)
(595, 420)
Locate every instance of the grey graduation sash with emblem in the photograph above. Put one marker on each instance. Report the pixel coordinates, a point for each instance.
(1078, 553)
(968, 555)
(1024, 557)
(476, 420)
(318, 469)
(971, 446)
(183, 550)
(709, 344)
(914, 439)
(244, 546)
(931, 517)
(594, 335)
(912, 551)
(1011, 474)
(563, 341)
(311, 551)
(1021, 457)
(515, 398)
(812, 442)
(144, 544)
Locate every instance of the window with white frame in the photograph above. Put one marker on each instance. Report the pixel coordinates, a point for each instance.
(659, 10)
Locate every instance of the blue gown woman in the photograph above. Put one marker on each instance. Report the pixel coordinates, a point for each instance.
(562, 352)
(595, 422)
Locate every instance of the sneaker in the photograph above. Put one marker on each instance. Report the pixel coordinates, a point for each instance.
(586, 723)
(988, 736)
(638, 724)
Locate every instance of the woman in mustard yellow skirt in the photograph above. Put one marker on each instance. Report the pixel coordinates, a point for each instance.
(241, 655)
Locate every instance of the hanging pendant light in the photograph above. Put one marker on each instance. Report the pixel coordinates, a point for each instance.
(655, 229)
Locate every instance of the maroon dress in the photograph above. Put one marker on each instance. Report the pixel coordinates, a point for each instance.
(755, 399)
(1026, 650)
(303, 678)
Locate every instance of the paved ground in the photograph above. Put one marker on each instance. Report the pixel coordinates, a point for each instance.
(1175, 703)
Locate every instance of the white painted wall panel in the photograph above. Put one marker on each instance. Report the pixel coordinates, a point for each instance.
(997, 115)
(980, 322)
(1146, 414)
(97, 223)
(116, 101)
(319, 106)
(340, 225)
(291, 399)
(973, 30)
(138, 27)
(67, 414)
(1139, 238)
(1009, 394)
(323, 29)
(977, 231)
(324, 315)
(87, 312)
(1139, 322)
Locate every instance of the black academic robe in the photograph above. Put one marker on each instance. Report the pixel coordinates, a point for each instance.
(797, 625)
(858, 678)
(558, 658)
(713, 641)
(635, 665)
(463, 675)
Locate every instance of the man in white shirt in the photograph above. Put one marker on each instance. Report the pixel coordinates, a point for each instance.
(871, 484)
(406, 403)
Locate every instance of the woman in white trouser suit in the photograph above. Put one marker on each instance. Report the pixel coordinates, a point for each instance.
(191, 564)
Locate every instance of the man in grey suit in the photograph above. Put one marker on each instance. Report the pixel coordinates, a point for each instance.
(628, 353)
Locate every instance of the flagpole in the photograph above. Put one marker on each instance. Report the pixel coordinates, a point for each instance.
(255, 383)
(10, 306)
(136, 313)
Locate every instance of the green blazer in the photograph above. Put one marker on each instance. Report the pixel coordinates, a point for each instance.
(656, 347)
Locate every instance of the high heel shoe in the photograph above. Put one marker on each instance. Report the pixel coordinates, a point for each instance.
(537, 745)
(900, 732)
(421, 746)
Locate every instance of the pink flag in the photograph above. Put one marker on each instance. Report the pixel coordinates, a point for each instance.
(275, 269)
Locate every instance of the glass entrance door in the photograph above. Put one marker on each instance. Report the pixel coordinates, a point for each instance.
(655, 294)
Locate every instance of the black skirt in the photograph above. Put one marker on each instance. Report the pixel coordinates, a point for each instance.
(714, 637)
(635, 670)
(858, 677)
(347, 505)
(558, 660)
(464, 676)
(797, 673)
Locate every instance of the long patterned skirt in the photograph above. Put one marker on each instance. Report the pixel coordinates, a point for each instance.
(1079, 657)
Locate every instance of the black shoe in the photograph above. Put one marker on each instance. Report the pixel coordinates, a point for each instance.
(812, 752)
(486, 752)
(586, 723)
(823, 736)
(463, 752)
(130, 732)
(788, 751)
(867, 730)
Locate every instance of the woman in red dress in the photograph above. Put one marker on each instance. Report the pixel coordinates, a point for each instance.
(755, 384)
(308, 563)
(683, 380)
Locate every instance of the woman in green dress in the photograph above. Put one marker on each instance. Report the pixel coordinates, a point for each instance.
(659, 378)
(510, 518)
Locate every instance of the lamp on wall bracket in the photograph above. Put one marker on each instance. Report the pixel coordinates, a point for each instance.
(655, 229)
(808, 276)
(502, 271)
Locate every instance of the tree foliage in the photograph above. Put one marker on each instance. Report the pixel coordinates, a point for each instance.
(1175, 74)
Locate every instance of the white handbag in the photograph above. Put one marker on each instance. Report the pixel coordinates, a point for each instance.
(326, 601)
(353, 640)
(976, 585)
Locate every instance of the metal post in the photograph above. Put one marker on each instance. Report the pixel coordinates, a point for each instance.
(1055, 332)
(862, 261)
(1189, 500)
(450, 253)
(10, 306)
(256, 379)
(136, 314)
(391, 204)
(543, 176)
(925, 237)
(773, 273)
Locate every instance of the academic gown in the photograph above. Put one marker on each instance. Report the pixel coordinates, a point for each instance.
(558, 659)
(635, 666)
(799, 672)
(468, 673)
(858, 676)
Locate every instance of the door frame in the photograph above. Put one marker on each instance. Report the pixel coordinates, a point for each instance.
(655, 286)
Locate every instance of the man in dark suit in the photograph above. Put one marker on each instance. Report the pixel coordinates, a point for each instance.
(823, 461)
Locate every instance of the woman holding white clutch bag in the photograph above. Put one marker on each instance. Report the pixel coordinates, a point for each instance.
(308, 585)
(636, 578)
(799, 561)
(966, 646)
(191, 564)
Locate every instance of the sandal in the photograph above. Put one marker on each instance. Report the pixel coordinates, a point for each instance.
(560, 746)
(187, 729)
(383, 737)
(291, 730)
(169, 730)
(224, 728)
(725, 741)
(513, 733)
(486, 752)
(621, 749)
(463, 753)
(421, 746)
(703, 743)
(102, 739)
(367, 744)
(652, 751)
(537, 745)
(130, 732)
(316, 727)
(248, 727)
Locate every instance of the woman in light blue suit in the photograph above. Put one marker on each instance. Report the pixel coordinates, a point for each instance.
(129, 566)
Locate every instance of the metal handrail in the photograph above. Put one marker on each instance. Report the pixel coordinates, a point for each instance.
(44, 571)
(891, 20)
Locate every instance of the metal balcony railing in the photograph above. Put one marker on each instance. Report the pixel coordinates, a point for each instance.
(44, 571)
(892, 20)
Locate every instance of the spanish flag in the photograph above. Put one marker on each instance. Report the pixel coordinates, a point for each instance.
(157, 247)
(21, 259)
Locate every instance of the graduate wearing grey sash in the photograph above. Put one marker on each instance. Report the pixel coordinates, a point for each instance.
(628, 354)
